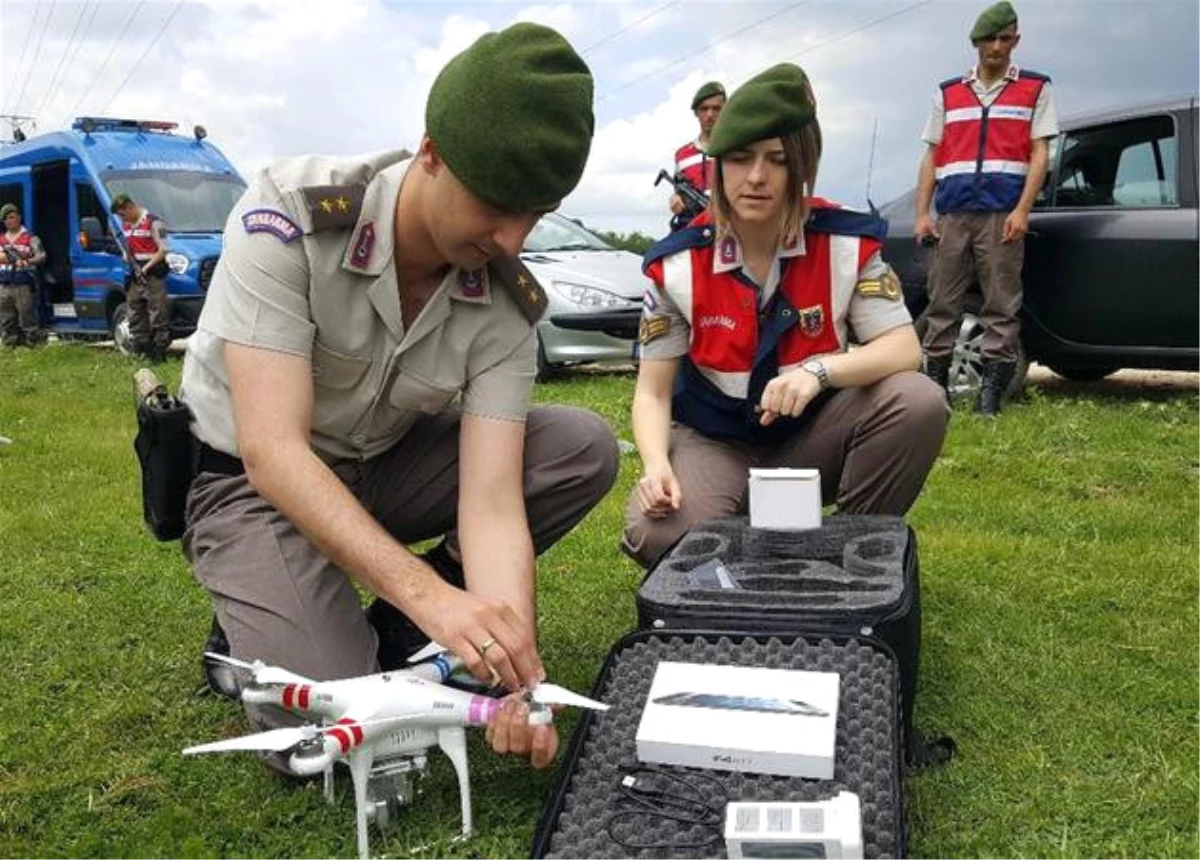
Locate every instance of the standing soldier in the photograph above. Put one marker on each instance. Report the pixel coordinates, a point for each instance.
(987, 153)
(149, 314)
(20, 251)
(691, 162)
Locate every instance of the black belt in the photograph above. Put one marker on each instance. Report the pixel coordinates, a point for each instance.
(212, 460)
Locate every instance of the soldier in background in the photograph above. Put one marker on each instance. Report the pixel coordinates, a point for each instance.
(146, 296)
(20, 252)
(691, 162)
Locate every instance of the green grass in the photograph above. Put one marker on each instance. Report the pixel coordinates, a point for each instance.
(1059, 562)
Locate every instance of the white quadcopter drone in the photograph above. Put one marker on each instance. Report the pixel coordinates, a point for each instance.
(380, 726)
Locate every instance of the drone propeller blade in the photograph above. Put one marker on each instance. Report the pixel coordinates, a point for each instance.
(275, 675)
(430, 650)
(229, 661)
(552, 694)
(275, 740)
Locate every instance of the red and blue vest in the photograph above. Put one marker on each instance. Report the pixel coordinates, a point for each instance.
(735, 347)
(23, 245)
(693, 165)
(140, 234)
(983, 158)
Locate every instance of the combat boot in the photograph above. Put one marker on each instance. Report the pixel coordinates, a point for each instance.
(996, 378)
(219, 676)
(937, 368)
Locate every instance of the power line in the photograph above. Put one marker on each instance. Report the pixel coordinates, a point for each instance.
(38, 53)
(708, 47)
(67, 52)
(37, 10)
(162, 29)
(629, 27)
(104, 65)
(860, 28)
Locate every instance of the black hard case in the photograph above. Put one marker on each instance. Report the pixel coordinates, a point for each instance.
(856, 575)
(602, 744)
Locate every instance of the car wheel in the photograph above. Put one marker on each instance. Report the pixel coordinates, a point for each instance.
(121, 334)
(1080, 372)
(545, 370)
(966, 369)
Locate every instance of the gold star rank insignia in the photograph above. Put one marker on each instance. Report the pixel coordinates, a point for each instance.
(333, 206)
(520, 283)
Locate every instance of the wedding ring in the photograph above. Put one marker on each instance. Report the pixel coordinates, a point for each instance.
(486, 645)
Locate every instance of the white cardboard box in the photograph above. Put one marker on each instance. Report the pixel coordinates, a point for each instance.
(786, 499)
(775, 721)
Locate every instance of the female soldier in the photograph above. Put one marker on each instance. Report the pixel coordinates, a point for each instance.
(745, 333)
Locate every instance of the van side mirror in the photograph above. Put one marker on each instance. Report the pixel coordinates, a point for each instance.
(91, 236)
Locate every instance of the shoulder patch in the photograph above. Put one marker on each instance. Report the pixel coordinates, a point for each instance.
(1037, 76)
(847, 223)
(333, 206)
(695, 236)
(271, 221)
(521, 285)
(886, 286)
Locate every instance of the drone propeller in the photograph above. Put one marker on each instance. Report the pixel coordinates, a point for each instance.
(553, 694)
(258, 672)
(430, 650)
(276, 740)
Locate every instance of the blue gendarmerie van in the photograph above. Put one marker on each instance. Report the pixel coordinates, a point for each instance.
(64, 182)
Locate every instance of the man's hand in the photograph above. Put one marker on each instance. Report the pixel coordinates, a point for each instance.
(677, 205)
(658, 492)
(510, 732)
(490, 638)
(787, 395)
(923, 227)
(1016, 225)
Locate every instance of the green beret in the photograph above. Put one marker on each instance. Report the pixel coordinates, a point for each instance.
(994, 19)
(707, 91)
(512, 117)
(120, 202)
(771, 104)
(7, 209)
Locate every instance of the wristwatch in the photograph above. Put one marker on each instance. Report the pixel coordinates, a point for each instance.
(817, 369)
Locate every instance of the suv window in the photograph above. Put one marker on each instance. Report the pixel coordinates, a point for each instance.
(1128, 164)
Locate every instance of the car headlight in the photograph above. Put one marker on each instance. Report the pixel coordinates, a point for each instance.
(589, 297)
(177, 263)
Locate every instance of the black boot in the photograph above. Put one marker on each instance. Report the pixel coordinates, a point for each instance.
(996, 378)
(220, 676)
(399, 638)
(937, 368)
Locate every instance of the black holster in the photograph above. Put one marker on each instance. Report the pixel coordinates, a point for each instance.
(166, 450)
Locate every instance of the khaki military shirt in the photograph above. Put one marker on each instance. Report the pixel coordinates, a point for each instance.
(303, 274)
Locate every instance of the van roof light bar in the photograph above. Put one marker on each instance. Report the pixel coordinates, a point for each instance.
(88, 124)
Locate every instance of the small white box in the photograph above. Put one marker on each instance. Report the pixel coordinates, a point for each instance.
(785, 499)
(775, 721)
(825, 828)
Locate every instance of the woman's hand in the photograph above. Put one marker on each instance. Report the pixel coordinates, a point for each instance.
(787, 395)
(658, 492)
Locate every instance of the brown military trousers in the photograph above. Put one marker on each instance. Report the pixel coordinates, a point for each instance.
(149, 314)
(874, 447)
(970, 248)
(281, 601)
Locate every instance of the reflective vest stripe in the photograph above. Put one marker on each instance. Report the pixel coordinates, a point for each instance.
(1016, 168)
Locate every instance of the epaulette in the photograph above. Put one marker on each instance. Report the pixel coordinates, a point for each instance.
(1037, 76)
(695, 236)
(333, 207)
(521, 285)
(847, 222)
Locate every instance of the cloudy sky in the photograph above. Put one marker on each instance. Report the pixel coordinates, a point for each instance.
(282, 77)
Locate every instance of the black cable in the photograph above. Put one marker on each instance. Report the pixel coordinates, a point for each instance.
(661, 796)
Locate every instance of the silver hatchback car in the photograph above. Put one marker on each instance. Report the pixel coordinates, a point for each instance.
(595, 293)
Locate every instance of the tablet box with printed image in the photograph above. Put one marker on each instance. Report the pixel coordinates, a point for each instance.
(752, 719)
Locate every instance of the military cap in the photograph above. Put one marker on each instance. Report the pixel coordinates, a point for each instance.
(773, 103)
(120, 202)
(7, 209)
(512, 117)
(707, 91)
(993, 19)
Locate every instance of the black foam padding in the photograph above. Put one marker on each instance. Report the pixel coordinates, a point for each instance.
(852, 565)
(867, 756)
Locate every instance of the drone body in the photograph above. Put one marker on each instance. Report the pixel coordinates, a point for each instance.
(378, 725)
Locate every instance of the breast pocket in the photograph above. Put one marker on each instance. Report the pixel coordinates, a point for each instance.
(341, 392)
(413, 393)
(332, 369)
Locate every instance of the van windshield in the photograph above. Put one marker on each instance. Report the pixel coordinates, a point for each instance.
(187, 201)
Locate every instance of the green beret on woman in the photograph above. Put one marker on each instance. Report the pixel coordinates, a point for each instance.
(512, 117)
(773, 103)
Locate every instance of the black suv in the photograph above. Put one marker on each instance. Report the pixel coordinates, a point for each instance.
(1111, 260)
